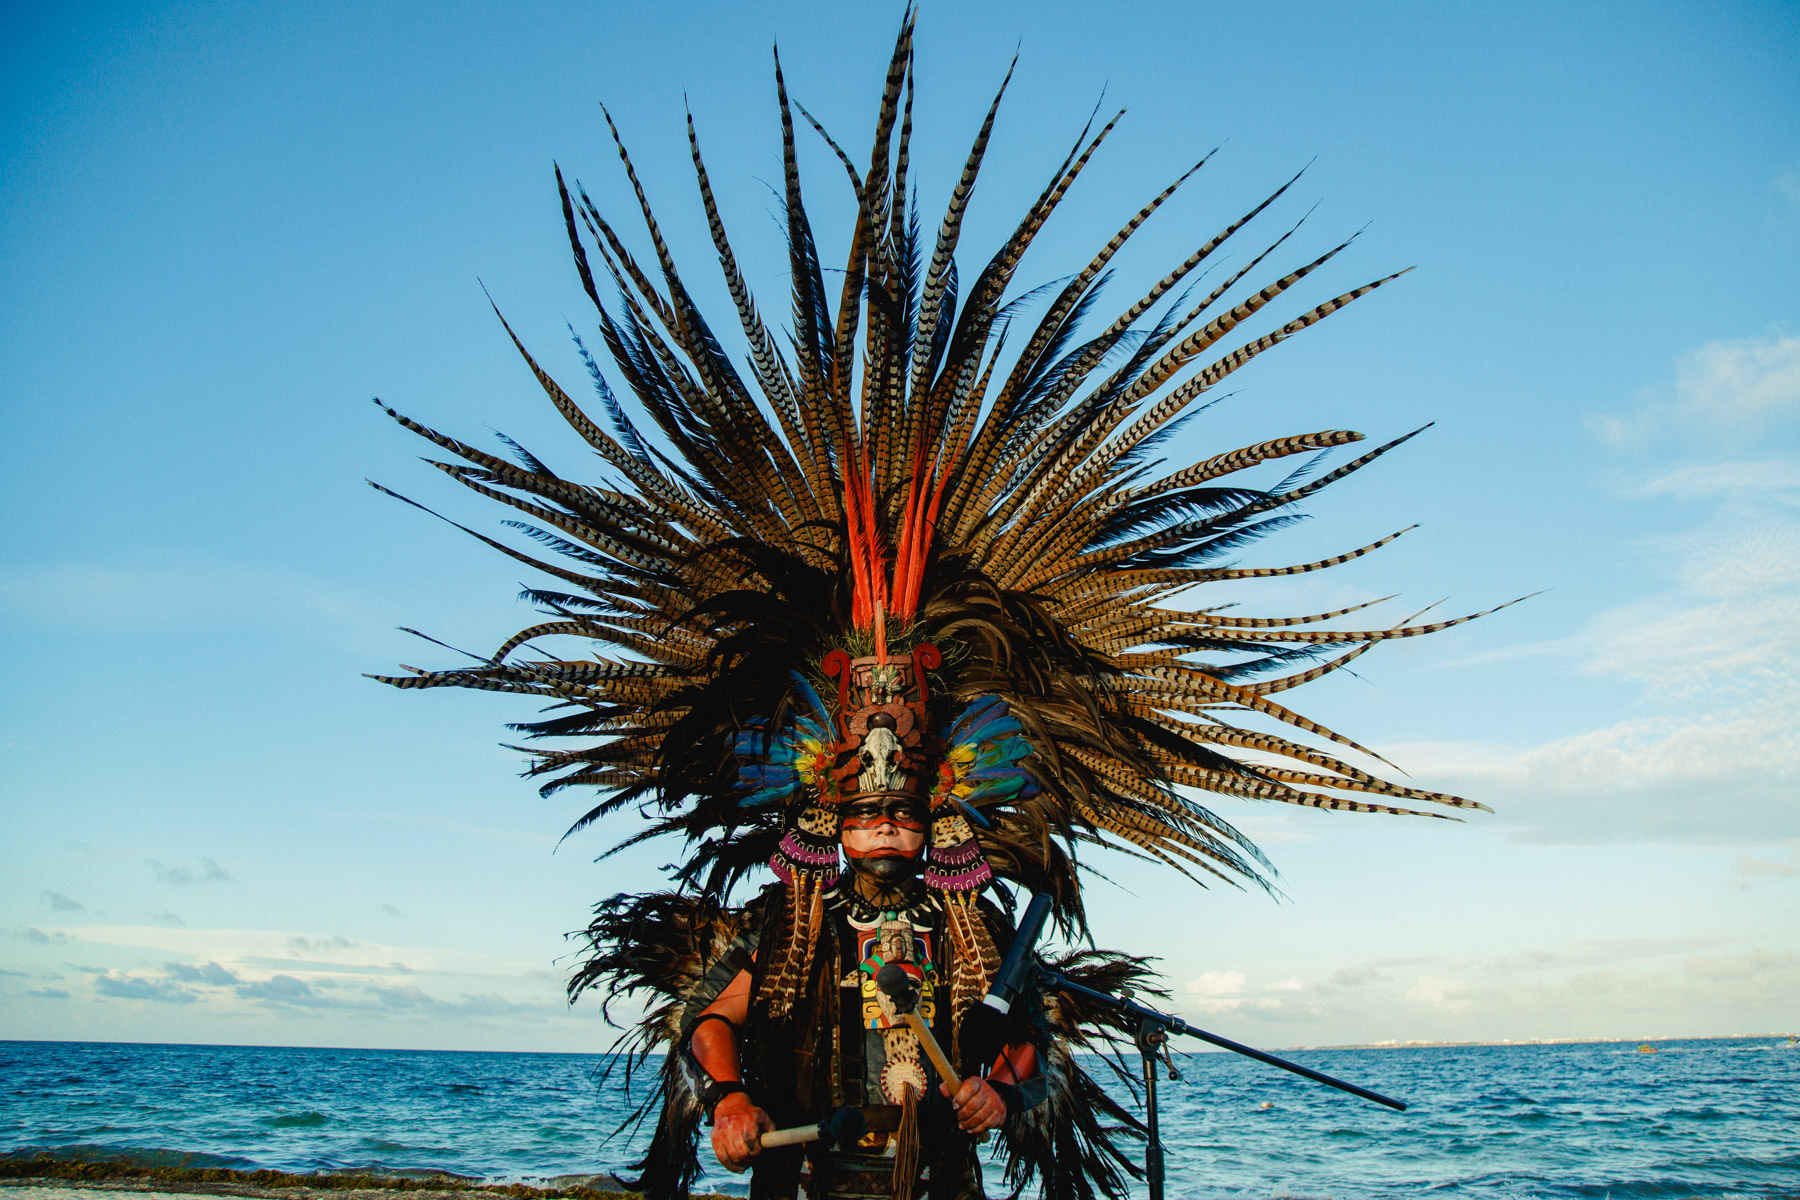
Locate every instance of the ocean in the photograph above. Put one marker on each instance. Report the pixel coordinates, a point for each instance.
(1698, 1118)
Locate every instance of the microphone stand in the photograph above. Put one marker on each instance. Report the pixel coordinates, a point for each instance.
(1151, 1034)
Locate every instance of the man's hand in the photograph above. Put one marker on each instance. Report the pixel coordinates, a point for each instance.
(979, 1107)
(738, 1126)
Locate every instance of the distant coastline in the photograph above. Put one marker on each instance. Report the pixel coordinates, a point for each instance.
(1557, 1041)
(1190, 1047)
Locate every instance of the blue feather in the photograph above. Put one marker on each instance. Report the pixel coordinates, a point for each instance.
(975, 816)
(971, 717)
(820, 715)
(763, 797)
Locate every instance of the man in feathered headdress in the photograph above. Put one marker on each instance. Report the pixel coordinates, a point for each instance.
(871, 774)
(896, 588)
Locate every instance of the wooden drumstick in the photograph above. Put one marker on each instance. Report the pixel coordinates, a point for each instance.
(841, 1128)
(903, 990)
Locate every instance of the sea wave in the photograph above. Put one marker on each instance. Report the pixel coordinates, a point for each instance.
(1487, 1122)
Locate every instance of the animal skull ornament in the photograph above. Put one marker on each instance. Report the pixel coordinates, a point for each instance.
(885, 746)
(880, 756)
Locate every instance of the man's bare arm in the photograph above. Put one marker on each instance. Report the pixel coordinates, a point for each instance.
(738, 1124)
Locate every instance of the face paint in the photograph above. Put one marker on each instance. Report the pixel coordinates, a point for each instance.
(888, 827)
(872, 814)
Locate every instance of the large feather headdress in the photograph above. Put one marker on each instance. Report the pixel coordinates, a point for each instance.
(923, 459)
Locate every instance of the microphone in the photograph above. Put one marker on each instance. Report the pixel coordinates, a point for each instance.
(985, 1029)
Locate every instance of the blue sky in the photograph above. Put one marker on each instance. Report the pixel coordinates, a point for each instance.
(227, 226)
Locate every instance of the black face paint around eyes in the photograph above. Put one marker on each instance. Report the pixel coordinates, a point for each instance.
(912, 824)
(896, 809)
(868, 816)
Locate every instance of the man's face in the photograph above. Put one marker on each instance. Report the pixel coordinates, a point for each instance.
(884, 837)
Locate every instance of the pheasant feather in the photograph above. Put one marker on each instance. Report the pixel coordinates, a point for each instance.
(888, 474)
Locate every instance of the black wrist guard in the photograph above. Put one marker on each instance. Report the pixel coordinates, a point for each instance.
(1008, 1094)
(716, 1091)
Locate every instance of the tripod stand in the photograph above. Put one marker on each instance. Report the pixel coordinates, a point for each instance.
(1151, 1034)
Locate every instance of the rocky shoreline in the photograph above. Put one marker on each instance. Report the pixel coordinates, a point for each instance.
(46, 1177)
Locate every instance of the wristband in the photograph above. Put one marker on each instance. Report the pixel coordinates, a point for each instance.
(1009, 1095)
(716, 1091)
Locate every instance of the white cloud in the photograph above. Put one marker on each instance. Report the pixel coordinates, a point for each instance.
(237, 971)
(1742, 381)
(255, 952)
(1724, 389)
(486, 1004)
(30, 933)
(118, 986)
(282, 991)
(1724, 777)
(1719, 655)
(1213, 992)
(1360, 975)
(1618, 431)
(1446, 995)
(210, 972)
(1755, 971)
(204, 870)
(1615, 987)
(1711, 753)
(1775, 478)
(1675, 650)
(1788, 867)
(1788, 184)
(1217, 991)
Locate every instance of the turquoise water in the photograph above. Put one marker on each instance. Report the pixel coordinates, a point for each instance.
(1712, 1118)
